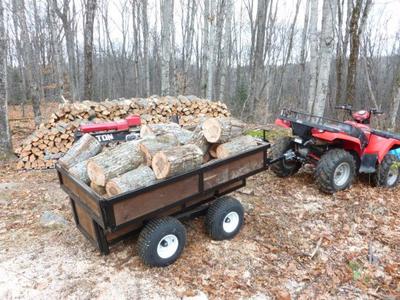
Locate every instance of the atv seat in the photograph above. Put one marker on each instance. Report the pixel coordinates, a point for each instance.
(386, 134)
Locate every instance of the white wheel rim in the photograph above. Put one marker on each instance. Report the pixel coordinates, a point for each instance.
(393, 174)
(167, 246)
(342, 173)
(231, 222)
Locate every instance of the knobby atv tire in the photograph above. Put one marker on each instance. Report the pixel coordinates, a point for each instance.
(216, 215)
(283, 168)
(325, 170)
(380, 178)
(152, 234)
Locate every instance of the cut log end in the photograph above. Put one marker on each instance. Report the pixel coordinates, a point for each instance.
(112, 188)
(212, 130)
(96, 173)
(161, 166)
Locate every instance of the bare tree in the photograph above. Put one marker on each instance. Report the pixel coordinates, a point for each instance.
(167, 18)
(145, 30)
(68, 22)
(326, 49)
(227, 47)
(313, 54)
(90, 9)
(29, 63)
(212, 46)
(358, 19)
(5, 136)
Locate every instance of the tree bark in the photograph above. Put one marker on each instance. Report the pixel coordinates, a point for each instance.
(355, 31)
(167, 19)
(5, 135)
(90, 10)
(222, 130)
(155, 130)
(151, 146)
(132, 180)
(176, 160)
(79, 171)
(326, 49)
(236, 146)
(86, 147)
(313, 54)
(110, 164)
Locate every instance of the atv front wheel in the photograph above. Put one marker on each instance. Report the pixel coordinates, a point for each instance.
(284, 168)
(388, 173)
(335, 171)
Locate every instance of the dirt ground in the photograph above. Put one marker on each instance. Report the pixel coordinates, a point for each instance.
(296, 244)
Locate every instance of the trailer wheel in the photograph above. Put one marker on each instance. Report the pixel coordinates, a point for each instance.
(161, 242)
(388, 172)
(224, 218)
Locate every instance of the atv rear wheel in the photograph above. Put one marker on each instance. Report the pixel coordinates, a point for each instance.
(284, 168)
(388, 172)
(335, 171)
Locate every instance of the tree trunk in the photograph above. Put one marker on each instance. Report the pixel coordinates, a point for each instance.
(313, 54)
(222, 130)
(176, 160)
(211, 48)
(396, 103)
(227, 46)
(29, 62)
(132, 180)
(86, 147)
(167, 19)
(235, 146)
(5, 136)
(326, 49)
(145, 25)
(205, 48)
(110, 164)
(90, 9)
(355, 31)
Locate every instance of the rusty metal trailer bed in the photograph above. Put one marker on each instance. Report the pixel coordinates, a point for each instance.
(105, 221)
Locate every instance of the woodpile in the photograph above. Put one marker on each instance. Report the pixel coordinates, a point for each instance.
(159, 154)
(54, 138)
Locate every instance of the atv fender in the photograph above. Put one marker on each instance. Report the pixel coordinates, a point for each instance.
(380, 146)
(349, 142)
(282, 123)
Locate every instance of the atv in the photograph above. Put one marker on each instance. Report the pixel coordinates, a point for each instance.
(338, 150)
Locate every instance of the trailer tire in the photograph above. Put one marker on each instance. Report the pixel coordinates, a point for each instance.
(388, 173)
(335, 171)
(224, 218)
(283, 168)
(161, 242)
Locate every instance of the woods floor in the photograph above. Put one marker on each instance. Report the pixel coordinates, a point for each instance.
(296, 243)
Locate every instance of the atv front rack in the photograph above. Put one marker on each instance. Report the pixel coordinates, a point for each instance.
(300, 121)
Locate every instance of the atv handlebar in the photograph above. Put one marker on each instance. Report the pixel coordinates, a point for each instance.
(349, 108)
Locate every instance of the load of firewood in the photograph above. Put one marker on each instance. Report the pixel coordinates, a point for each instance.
(163, 151)
(54, 138)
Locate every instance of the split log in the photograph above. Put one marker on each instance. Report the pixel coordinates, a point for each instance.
(151, 146)
(222, 130)
(235, 146)
(154, 130)
(86, 147)
(176, 160)
(79, 171)
(117, 161)
(98, 189)
(132, 180)
(199, 140)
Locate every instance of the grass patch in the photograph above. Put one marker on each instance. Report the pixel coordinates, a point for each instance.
(356, 268)
(270, 135)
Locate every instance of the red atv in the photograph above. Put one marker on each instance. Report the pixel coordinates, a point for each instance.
(338, 150)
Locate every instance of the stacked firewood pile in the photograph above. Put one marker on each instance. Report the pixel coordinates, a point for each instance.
(163, 151)
(55, 137)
